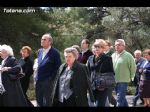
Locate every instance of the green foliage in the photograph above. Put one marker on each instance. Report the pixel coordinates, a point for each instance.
(130, 90)
(21, 29)
(31, 90)
(130, 23)
(31, 93)
(68, 25)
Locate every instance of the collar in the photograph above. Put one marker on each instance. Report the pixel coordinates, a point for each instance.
(138, 59)
(26, 58)
(3, 61)
(106, 51)
(46, 50)
(120, 53)
(5, 58)
(74, 65)
(85, 50)
(96, 59)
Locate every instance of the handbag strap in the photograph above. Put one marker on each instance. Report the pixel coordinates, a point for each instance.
(99, 70)
(100, 66)
(93, 77)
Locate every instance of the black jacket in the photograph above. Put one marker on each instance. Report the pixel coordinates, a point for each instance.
(104, 60)
(27, 67)
(102, 65)
(14, 95)
(83, 58)
(80, 84)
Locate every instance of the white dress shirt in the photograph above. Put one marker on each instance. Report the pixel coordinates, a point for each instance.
(45, 51)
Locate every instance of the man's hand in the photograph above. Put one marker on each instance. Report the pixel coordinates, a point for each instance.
(5, 69)
(144, 71)
(140, 70)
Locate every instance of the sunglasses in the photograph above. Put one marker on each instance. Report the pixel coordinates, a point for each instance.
(97, 46)
(118, 45)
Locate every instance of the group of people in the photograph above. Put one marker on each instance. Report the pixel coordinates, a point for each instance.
(72, 83)
(142, 77)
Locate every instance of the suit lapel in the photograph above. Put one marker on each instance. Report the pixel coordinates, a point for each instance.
(40, 56)
(46, 55)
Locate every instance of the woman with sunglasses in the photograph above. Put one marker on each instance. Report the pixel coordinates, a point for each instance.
(99, 62)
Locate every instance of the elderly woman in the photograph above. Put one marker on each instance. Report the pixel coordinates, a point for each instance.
(11, 93)
(144, 85)
(99, 63)
(72, 82)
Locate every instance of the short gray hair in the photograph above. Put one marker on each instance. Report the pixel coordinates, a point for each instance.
(72, 50)
(8, 49)
(77, 47)
(48, 35)
(121, 41)
(137, 51)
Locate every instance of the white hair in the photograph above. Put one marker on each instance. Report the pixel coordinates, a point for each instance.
(120, 41)
(72, 50)
(48, 35)
(138, 51)
(8, 49)
(0, 47)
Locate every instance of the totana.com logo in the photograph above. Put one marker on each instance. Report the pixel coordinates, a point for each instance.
(12, 10)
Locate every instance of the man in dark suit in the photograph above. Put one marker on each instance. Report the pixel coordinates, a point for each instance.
(0, 69)
(0, 56)
(48, 64)
(85, 51)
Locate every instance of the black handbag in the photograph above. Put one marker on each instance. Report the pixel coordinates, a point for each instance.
(104, 80)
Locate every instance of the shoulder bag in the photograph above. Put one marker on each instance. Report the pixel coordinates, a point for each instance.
(104, 80)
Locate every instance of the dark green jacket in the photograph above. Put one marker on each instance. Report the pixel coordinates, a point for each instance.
(110, 52)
